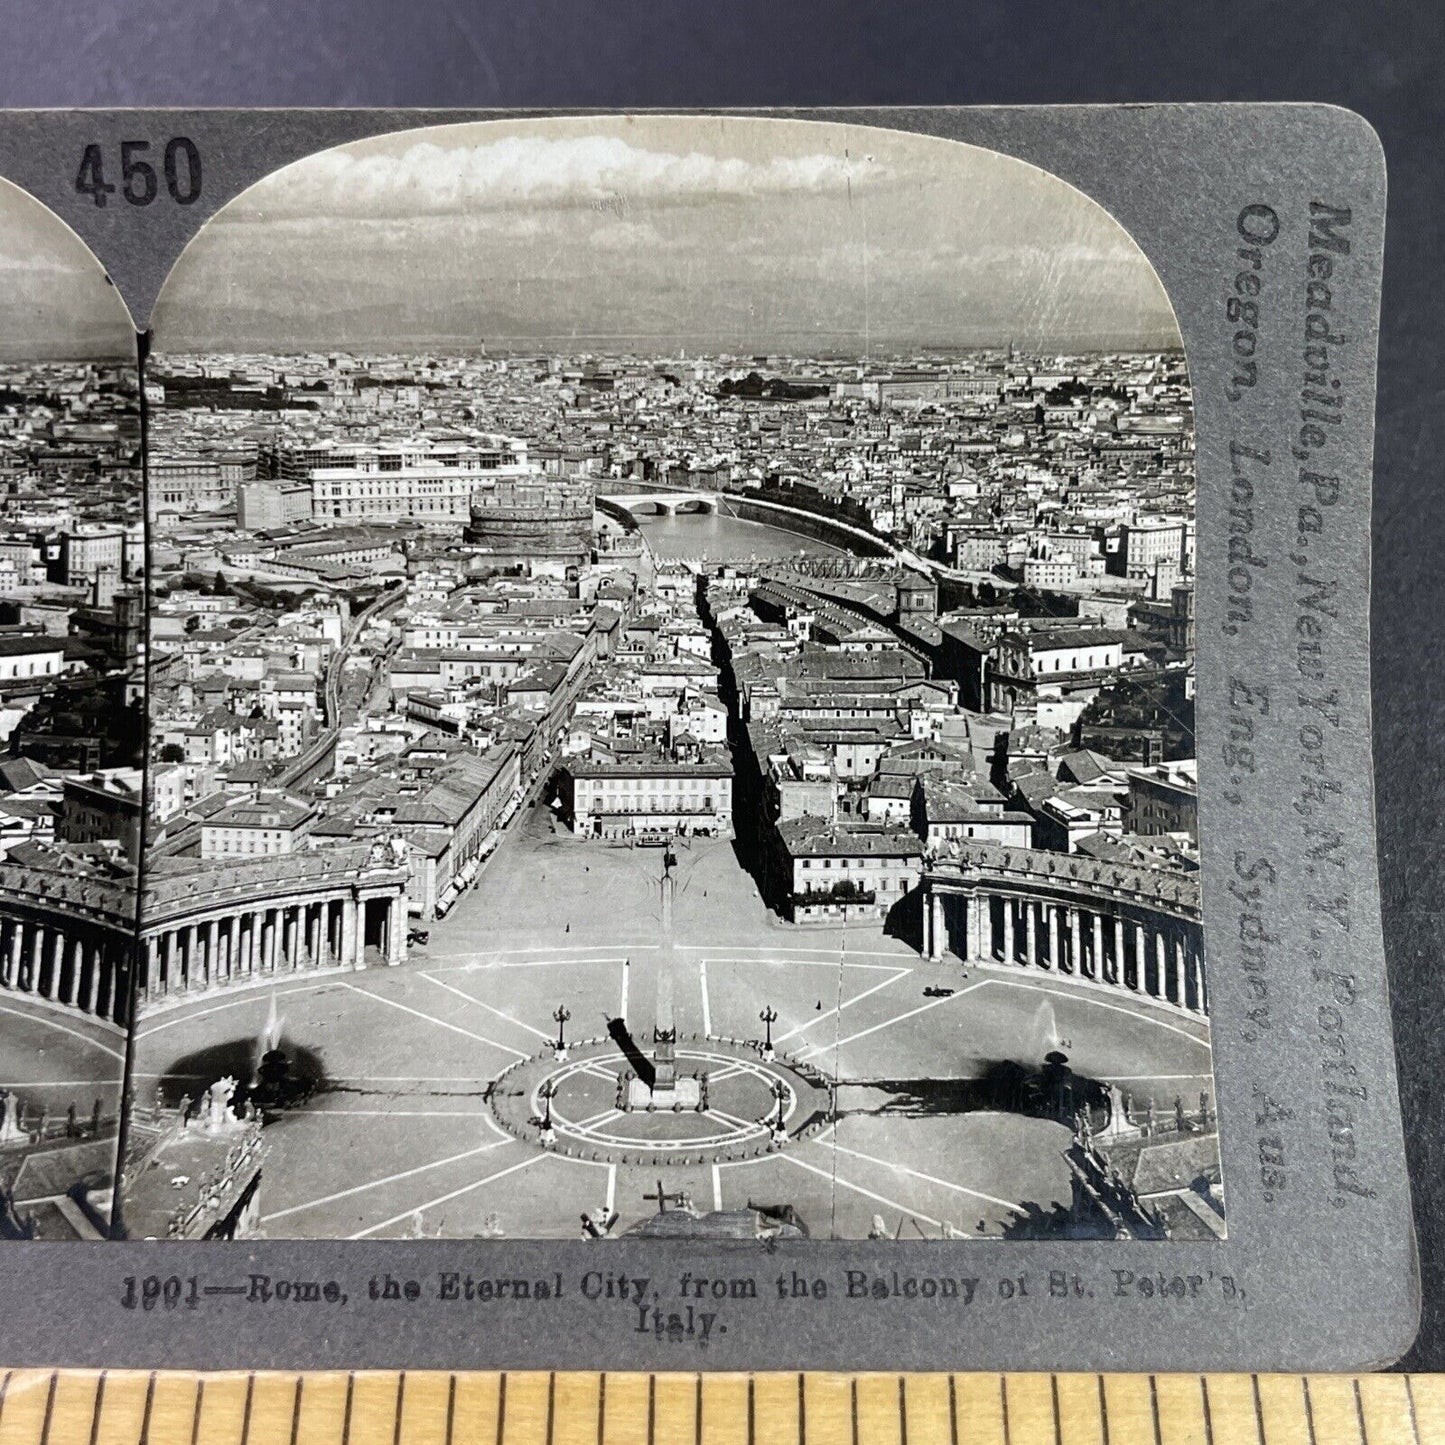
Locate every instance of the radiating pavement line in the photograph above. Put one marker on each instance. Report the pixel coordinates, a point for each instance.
(837, 1180)
(432, 1019)
(446, 1198)
(386, 1179)
(833, 1013)
(461, 993)
(888, 1023)
(927, 1178)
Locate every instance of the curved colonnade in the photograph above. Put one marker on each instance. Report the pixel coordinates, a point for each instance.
(71, 939)
(68, 938)
(1135, 929)
(267, 917)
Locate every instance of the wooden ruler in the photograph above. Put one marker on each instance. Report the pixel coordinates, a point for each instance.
(382, 1407)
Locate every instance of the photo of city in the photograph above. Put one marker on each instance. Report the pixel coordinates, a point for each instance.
(670, 656)
(72, 722)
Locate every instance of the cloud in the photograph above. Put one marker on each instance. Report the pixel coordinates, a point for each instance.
(603, 172)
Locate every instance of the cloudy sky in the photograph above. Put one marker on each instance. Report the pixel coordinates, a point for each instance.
(54, 298)
(651, 233)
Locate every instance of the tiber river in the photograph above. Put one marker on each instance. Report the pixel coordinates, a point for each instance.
(716, 538)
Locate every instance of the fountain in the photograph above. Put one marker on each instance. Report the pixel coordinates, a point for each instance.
(1046, 1028)
(268, 1041)
(273, 1085)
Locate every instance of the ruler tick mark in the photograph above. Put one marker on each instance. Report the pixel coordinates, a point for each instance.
(145, 1419)
(296, 1408)
(99, 1406)
(49, 1407)
(196, 1413)
(246, 1413)
(346, 1419)
(1410, 1401)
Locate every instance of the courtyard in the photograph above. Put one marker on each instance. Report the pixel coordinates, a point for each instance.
(420, 1124)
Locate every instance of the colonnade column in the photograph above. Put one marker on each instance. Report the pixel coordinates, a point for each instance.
(1008, 928)
(57, 962)
(71, 980)
(14, 946)
(396, 931)
(973, 931)
(351, 955)
(1055, 961)
(935, 927)
(1031, 934)
(90, 982)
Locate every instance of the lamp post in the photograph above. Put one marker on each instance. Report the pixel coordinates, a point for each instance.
(769, 1017)
(559, 1049)
(547, 1092)
(780, 1095)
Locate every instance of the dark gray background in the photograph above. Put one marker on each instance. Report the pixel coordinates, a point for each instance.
(1383, 60)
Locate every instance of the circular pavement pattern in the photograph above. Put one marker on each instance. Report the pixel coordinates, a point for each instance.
(595, 1108)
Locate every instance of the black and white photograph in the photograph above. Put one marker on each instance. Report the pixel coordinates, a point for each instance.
(72, 722)
(671, 703)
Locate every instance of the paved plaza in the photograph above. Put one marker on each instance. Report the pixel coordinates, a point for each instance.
(410, 1132)
(53, 1057)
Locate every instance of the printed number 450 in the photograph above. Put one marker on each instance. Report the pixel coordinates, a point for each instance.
(139, 184)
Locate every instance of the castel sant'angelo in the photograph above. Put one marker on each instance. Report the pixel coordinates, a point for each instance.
(534, 517)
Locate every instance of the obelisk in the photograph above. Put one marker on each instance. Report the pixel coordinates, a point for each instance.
(664, 1027)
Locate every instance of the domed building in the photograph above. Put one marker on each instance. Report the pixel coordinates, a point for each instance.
(533, 519)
